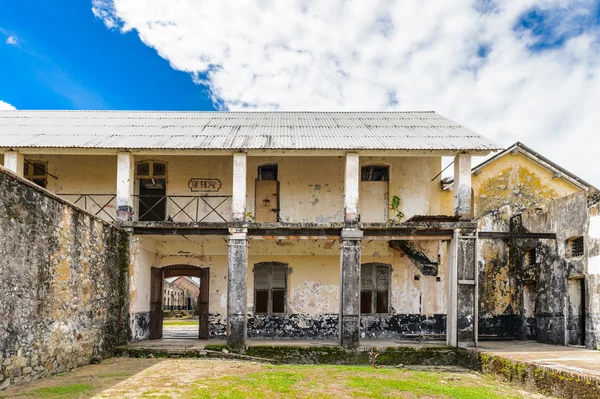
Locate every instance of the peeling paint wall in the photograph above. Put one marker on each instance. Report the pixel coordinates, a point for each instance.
(514, 180)
(64, 284)
(313, 290)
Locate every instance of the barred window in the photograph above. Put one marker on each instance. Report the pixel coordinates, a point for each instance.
(270, 287)
(375, 288)
(36, 171)
(576, 246)
(530, 255)
(267, 172)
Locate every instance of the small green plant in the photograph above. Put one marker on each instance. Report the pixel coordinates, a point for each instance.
(373, 358)
(395, 205)
(250, 217)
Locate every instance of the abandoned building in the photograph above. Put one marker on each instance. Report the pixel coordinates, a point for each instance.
(172, 297)
(326, 225)
(180, 293)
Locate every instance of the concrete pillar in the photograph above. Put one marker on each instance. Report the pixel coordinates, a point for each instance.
(462, 187)
(462, 317)
(125, 186)
(236, 289)
(452, 296)
(238, 202)
(15, 162)
(351, 182)
(349, 330)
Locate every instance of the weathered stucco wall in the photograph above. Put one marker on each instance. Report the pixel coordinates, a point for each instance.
(556, 298)
(64, 284)
(418, 304)
(513, 180)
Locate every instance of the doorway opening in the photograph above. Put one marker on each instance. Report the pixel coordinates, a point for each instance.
(179, 302)
(267, 193)
(374, 193)
(152, 190)
(576, 312)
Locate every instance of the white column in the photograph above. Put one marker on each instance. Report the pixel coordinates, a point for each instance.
(238, 202)
(462, 187)
(14, 162)
(125, 186)
(351, 182)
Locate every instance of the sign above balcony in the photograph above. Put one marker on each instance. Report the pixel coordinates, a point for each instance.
(204, 185)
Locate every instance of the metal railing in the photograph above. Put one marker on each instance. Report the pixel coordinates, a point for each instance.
(187, 207)
(95, 204)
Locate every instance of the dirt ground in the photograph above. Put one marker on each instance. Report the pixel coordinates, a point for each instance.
(212, 378)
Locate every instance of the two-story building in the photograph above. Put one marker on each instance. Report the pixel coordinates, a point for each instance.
(300, 225)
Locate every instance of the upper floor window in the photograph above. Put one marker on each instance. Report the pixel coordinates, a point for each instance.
(152, 174)
(36, 171)
(575, 247)
(374, 173)
(375, 288)
(270, 287)
(267, 172)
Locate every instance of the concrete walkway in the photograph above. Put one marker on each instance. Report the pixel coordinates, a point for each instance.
(561, 358)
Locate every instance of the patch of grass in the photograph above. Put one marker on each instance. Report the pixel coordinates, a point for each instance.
(62, 392)
(115, 375)
(356, 381)
(180, 323)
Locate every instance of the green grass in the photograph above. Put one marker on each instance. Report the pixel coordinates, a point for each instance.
(61, 392)
(360, 382)
(180, 323)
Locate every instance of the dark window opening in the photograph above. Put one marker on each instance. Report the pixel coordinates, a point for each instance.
(375, 288)
(267, 172)
(270, 287)
(530, 257)
(36, 172)
(576, 247)
(374, 173)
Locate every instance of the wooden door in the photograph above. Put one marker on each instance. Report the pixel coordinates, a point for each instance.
(267, 200)
(373, 201)
(203, 303)
(156, 303)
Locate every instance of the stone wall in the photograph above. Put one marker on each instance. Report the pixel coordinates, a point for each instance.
(64, 292)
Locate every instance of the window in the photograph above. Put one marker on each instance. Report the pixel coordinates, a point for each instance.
(36, 171)
(575, 247)
(270, 287)
(375, 288)
(530, 257)
(267, 172)
(152, 174)
(374, 173)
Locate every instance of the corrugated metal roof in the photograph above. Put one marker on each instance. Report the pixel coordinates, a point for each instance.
(238, 130)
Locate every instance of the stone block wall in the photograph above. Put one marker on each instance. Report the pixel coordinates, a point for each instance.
(64, 284)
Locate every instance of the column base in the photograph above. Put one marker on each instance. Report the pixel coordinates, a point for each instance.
(236, 333)
(350, 331)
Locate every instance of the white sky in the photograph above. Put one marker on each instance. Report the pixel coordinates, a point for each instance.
(393, 55)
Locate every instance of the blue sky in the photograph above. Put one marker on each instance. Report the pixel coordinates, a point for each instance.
(65, 58)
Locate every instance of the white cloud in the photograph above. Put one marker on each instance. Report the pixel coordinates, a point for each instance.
(4, 106)
(385, 55)
(12, 40)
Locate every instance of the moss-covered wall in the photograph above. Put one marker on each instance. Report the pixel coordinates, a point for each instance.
(64, 293)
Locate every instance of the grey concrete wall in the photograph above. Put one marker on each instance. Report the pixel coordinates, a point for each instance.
(64, 292)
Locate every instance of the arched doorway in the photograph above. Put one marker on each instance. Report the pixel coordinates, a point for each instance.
(158, 275)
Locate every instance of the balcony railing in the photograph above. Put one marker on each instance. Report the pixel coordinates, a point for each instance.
(96, 204)
(183, 208)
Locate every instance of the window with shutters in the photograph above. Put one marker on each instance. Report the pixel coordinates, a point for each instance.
(375, 288)
(270, 287)
(36, 171)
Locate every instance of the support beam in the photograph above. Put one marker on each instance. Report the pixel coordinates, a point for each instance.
(349, 330)
(351, 182)
(452, 296)
(236, 289)
(14, 162)
(125, 186)
(238, 202)
(462, 187)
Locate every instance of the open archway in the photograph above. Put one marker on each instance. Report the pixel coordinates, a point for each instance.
(158, 276)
